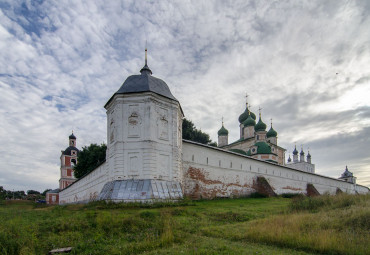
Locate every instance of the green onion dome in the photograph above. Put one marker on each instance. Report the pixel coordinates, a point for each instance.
(245, 114)
(271, 133)
(223, 131)
(262, 148)
(238, 151)
(260, 126)
(249, 121)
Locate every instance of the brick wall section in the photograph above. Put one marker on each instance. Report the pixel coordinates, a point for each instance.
(263, 187)
(339, 191)
(312, 191)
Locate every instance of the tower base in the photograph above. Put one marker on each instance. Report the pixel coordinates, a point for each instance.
(141, 191)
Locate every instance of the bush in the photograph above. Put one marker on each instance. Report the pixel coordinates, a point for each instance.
(258, 195)
(291, 195)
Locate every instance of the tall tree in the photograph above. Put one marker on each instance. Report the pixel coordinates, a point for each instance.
(2, 193)
(44, 193)
(89, 158)
(190, 132)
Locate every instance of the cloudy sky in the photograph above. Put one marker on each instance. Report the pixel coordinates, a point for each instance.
(305, 63)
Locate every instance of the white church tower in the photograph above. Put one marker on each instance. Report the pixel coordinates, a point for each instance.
(144, 136)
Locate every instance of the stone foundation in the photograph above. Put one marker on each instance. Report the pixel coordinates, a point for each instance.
(140, 191)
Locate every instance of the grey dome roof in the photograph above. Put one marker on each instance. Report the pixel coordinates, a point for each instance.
(69, 150)
(144, 82)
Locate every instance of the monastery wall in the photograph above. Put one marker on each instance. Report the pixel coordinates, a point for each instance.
(211, 172)
(87, 188)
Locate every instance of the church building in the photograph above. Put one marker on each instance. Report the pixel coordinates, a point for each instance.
(68, 160)
(254, 140)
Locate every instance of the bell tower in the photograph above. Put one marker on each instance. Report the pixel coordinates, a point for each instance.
(68, 160)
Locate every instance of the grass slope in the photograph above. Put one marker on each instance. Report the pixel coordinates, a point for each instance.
(327, 225)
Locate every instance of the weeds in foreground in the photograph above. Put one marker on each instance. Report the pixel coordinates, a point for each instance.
(327, 224)
(314, 204)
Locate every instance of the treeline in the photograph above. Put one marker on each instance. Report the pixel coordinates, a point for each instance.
(20, 194)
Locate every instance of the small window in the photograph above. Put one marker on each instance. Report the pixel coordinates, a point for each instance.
(219, 163)
(192, 158)
(207, 160)
(231, 164)
(258, 137)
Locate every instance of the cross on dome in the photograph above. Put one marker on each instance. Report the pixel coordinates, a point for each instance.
(146, 69)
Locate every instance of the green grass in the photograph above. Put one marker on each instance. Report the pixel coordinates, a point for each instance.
(326, 225)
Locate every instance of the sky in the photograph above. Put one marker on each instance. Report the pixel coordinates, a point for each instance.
(305, 63)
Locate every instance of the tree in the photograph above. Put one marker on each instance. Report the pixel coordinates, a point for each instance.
(89, 158)
(32, 192)
(2, 193)
(44, 193)
(190, 132)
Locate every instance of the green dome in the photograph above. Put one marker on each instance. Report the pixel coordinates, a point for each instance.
(238, 151)
(245, 115)
(263, 148)
(271, 133)
(223, 131)
(260, 126)
(249, 121)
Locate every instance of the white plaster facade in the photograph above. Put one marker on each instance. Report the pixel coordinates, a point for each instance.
(212, 172)
(144, 137)
(144, 134)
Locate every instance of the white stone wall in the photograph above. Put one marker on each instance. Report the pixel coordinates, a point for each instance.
(211, 172)
(303, 166)
(144, 137)
(86, 189)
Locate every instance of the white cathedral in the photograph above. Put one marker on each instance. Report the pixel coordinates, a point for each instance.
(147, 159)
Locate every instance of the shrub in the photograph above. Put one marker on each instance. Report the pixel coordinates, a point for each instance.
(291, 195)
(258, 195)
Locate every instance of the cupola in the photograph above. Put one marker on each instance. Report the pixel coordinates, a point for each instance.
(249, 121)
(223, 131)
(295, 152)
(245, 115)
(260, 126)
(271, 133)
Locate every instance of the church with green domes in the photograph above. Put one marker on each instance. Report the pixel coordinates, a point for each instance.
(254, 140)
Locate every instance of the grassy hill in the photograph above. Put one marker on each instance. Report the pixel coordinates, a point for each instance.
(326, 224)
